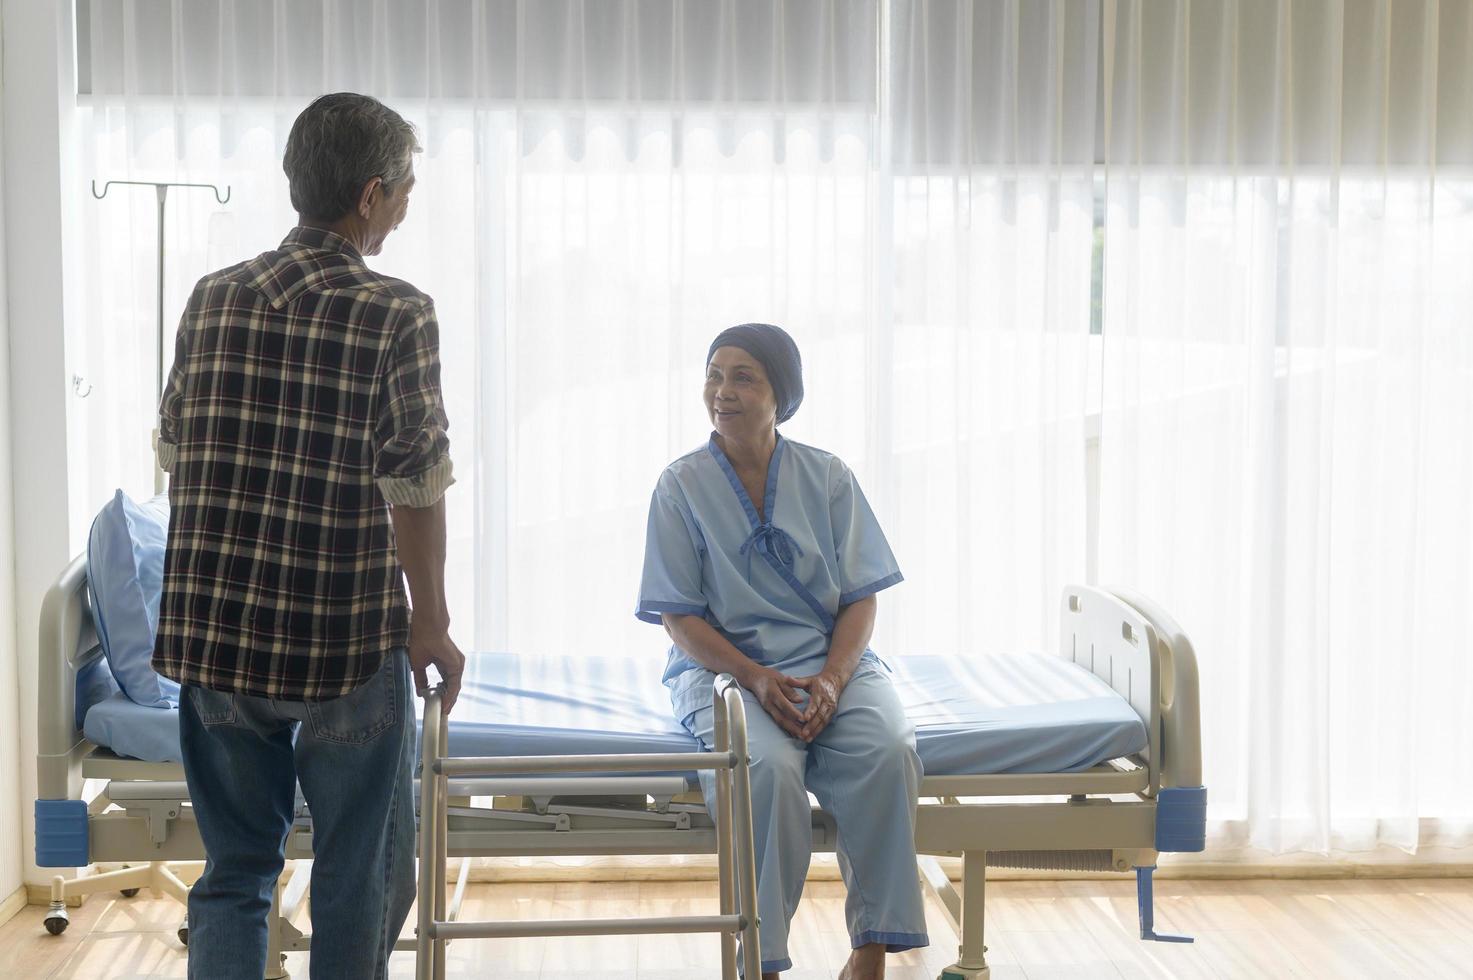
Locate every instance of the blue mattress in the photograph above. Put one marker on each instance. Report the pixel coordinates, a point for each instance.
(1006, 713)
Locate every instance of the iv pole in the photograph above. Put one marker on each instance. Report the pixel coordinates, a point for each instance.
(161, 191)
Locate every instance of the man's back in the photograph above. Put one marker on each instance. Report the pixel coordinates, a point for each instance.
(305, 393)
(303, 426)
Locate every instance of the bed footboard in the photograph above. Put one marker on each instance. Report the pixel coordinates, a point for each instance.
(1130, 643)
(1181, 816)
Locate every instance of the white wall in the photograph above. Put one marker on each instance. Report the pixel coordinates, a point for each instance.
(37, 86)
(11, 807)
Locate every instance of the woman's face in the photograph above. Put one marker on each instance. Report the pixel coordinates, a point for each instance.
(739, 399)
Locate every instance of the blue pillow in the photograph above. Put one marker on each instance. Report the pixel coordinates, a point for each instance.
(125, 573)
(95, 684)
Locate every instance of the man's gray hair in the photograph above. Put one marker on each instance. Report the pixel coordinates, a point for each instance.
(339, 143)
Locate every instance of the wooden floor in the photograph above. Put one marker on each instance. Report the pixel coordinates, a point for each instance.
(1260, 928)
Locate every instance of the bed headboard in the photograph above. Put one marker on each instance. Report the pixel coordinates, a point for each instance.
(1134, 646)
(68, 643)
(1119, 645)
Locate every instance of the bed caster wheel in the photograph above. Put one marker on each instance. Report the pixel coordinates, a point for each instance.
(128, 892)
(57, 918)
(183, 932)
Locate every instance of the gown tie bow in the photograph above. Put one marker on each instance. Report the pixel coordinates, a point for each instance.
(772, 541)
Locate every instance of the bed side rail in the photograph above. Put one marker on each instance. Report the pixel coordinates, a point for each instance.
(68, 643)
(1119, 645)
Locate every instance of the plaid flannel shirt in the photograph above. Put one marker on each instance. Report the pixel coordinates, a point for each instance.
(305, 394)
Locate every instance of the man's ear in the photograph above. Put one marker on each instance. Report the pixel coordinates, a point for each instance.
(369, 196)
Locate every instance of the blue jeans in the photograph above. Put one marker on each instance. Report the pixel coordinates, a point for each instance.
(243, 758)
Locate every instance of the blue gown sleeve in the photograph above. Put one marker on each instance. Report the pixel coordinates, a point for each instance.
(866, 564)
(671, 582)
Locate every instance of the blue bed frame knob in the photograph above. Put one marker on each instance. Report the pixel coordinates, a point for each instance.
(61, 834)
(1181, 818)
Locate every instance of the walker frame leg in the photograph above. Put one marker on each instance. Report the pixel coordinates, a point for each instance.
(725, 864)
(429, 825)
(745, 851)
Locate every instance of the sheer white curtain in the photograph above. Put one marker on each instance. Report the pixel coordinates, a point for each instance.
(604, 187)
(991, 168)
(1273, 443)
(1287, 364)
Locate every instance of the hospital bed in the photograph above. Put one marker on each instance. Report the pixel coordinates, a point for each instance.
(1087, 761)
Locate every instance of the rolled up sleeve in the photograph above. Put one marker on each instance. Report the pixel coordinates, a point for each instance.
(411, 463)
(166, 453)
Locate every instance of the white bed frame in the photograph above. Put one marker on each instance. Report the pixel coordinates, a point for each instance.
(1115, 816)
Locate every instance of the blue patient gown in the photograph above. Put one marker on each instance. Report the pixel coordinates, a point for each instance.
(773, 589)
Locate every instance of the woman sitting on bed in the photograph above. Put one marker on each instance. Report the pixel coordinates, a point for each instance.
(762, 560)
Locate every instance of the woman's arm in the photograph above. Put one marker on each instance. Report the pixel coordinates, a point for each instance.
(775, 691)
(852, 631)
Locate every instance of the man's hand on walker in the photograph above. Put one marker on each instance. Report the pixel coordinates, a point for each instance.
(431, 645)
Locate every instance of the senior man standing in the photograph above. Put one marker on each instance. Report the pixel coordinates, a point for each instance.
(304, 430)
